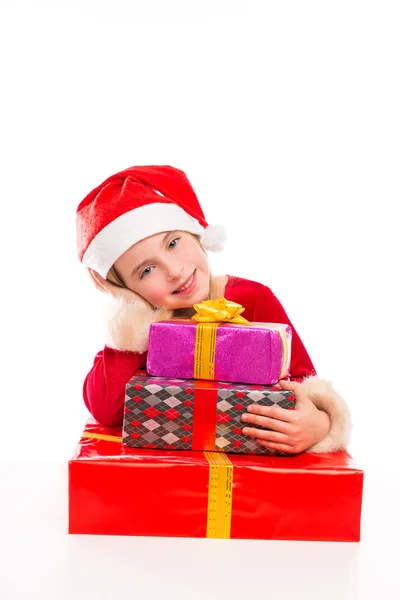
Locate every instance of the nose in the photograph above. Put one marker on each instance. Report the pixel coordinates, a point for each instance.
(174, 270)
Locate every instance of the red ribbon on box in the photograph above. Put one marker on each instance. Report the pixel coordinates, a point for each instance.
(204, 415)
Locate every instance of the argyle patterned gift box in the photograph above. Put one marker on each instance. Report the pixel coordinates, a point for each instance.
(187, 414)
(115, 490)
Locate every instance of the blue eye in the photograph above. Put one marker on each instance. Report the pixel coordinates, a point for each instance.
(175, 242)
(147, 271)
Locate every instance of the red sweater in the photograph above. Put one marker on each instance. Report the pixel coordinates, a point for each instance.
(104, 386)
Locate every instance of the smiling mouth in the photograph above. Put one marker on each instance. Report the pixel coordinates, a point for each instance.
(186, 285)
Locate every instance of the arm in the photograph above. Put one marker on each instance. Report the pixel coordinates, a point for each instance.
(269, 309)
(128, 321)
(104, 386)
(319, 391)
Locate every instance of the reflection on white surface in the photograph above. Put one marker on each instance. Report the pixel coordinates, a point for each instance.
(40, 560)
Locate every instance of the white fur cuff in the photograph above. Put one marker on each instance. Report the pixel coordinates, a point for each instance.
(325, 398)
(128, 324)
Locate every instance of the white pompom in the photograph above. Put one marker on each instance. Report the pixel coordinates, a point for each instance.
(214, 238)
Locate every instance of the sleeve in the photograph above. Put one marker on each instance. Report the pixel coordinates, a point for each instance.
(104, 385)
(127, 326)
(269, 309)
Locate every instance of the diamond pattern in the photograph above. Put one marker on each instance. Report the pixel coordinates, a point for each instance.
(171, 414)
(224, 405)
(229, 436)
(153, 400)
(223, 417)
(172, 402)
(171, 426)
(159, 413)
(223, 393)
(173, 390)
(151, 412)
(255, 395)
(221, 442)
(150, 425)
(168, 403)
(153, 389)
(150, 436)
(170, 438)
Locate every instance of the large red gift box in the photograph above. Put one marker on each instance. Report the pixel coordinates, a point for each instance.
(143, 492)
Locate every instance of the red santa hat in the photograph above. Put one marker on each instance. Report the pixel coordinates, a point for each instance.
(134, 204)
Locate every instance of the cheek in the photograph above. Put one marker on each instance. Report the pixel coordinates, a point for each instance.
(203, 264)
(195, 255)
(153, 290)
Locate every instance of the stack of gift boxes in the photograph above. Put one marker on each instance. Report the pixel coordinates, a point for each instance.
(182, 466)
(204, 373)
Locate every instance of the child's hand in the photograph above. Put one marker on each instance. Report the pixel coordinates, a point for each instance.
(293, 431)
(112, 289)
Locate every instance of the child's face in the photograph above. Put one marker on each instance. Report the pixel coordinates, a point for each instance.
(159, 266)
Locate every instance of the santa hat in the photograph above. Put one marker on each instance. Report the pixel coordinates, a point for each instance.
(134, 204)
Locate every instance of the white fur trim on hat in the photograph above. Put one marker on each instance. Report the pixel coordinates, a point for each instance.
(131, 227)
(325, 398)
(214, 238)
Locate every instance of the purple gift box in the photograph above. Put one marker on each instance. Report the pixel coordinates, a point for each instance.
(256, 353)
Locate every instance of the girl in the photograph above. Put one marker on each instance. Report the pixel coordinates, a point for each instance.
(143, 237)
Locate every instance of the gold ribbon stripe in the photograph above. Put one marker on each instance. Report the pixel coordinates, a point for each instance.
(285, 351)
(219, 512)
(101, 436)
(206, 341)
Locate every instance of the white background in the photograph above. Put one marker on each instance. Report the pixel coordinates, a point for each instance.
(285, 118)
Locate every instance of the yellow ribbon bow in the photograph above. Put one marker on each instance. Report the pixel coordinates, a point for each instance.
(219, 311)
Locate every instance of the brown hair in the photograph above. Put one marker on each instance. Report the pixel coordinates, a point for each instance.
(113, 276)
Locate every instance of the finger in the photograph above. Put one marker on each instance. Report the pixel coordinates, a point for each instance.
(268, 422)
(92, 273)
(261, 434)
(272, 412)
(295, 387)
(276, 446)
(289, 385)
(95, 278)
(102, 284)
